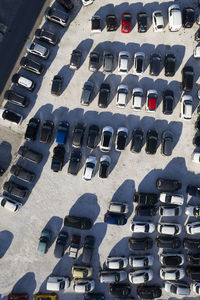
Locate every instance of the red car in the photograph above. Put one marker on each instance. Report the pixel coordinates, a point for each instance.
(152, 96)
(17, 296)
(126, 22)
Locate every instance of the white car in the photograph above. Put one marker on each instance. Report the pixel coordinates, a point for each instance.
(172, 273)
(112, 276)
(140, 276)
(37, 49)
(170, 210)
(106, 139)
(116, 263)
(196, 52)
(193, 211)
(158, 21)
(169, 228)
(83, 285)
(137, 99)
(172, 259)
(141, 261)
(10, 204)
(122, 92)
(55, 283)
(175, 17)
(193, 228)
(196, 288)
(142, 227)
(186, 107)
(23, 82)
(123, 62)
(87, 2)
(90, 165)
(178, 288)
(172, 198)
(139, 59)
(196, 157)
(119, 207)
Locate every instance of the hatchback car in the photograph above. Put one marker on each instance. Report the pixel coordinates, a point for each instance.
(122, 93)
(142, 227)
(111, 22)
(10, 204)
(16, 98)
(61, 244)
(78, 135)
(116, 263)
(58, 158)
(46, 36)
(180, 288)
(75, 162)
(167, 143)
(93, 136)
(140, 276)
(169, 228)
(188, 17)
(22, 173)
(186, 107)
(149, 291)
(37, 49)
(110, 276)
(158, 21)
(56, 87)
(89, 170)
(82, 223)
(106, 139)
(137, 140)
(169, 242)
(168, 102)
(151, 141)
(32, 129)
(142, 22)
(32, 65)
(175, 17)
(115, 218)
(152, 97)
(187, 78)
(120, 289)
(108, 62)
(122, 135)
(58, 16)
(172, 259)
(137, 99)
(24, 82)
(193, 228)
(44, 241)
(94, 61)
(168, 185)
(155, 64)
(104, 166)
(79, 271)
(104, 95)
(75, 60)
(140, 243)
(62, 132)
(30, 154)
(170, 64)
(139, 59)
(11, 116)
(46, 132)
(15, 189)
(86, 96)
(123, 62)
(126, 22)
(173, 274)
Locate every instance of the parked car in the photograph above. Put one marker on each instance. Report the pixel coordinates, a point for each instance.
(172, 259)
(82, 223)
(75, 162)
(32, 65)
(126, 22)
(180, 288)
(170, 64)
(120, 289)
(151, 141)
(193, 211)
(193, 190)
(88, 249)
(58, 158)
(168, 102)
(104, 166)
(116, 263)
(89, 170)
(158, 21)
(122, 135)
(56, 87)
(142, 227)
(62, 132)
(93, 136)
(169, 242)
(196, 288)
(140, 276)
(140, 243)
(23, 82)
(118, 207)
(10, 204)
(23, 174)
(155, 64)
(67, 4)
(86, 96)
(83, 285)
(94, 61)
(123, 62)
(46, 36)
(74, 246)
(61, 244)
(191, 244)
(167, 143)
(170, 210)
(58, 16)
(15, 189)
(137, 99)
(145, 198)
(169, 228)
(139, 59)
(81, 271)
(149, 291)
(196, 156)
(187, 78)
(193, 228)
(122, 92)
(106, 139)
(115, 218)
(186, 107)
(96, 23)
(30, 154)
(37, 49)
(11, 116)
(188, 17)
(45, 296)
(75, 60)
(193, 258)
(17, 296)
(177, 199)
(196, 52)
(137, 140)
(168, 185)
(32, 129)
(104, 95)
(138, 261)
(78, 134)
(145, 211)
(46, 132)
(142, 22)
(152, 97)
(44, 241)
(110, 276)
(175, 18)
(57, 283)
(16, 98)
(111, 22)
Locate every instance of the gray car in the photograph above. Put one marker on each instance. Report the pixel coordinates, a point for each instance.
(44, 241)
(30, 154)
(167, 143)
(88, 89)
(108, 61)
(22, 173)
(75, 59)
(58, 16)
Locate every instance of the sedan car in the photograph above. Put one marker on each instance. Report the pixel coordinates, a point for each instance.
(167, 143)
(89, 170)
(88, 249)
(155, 64)
(141, 261)
(61, 244)
(139, 59)
(116, 263)
(122, 92)
(140, 243)
(86, 96)
(106, 139)
(104, 166)
(32, 65)
(188, 17)
(151, 141)
(16, 98)
(44, 241)
(126, 22)
(193, 190)
(170, 64)
(30, 154)
(104, 95)
(83, 285)
(78, 135)
(15, 189)
(122, 135)
(187, 78)
(170, 210)
(22, 173)
(158, 21)
(168, 102)
(93, 136)
(123, 62)
(142, 22)
(10, 204)
(140, 276)
(169, 242)
(11, 116)
(168, 185)
(186, 107)
(24, 82)
(137, 140)
(58, 16)
(58, 158)
(142, 227)
(37, 49)
(32, 129)
(145, 211)
(149, 291)
(46, 132)
(152, 97)
(75, 162)
(75, 59)
(172, 259)
(180, 288)
(191, 244)
(56, 87)
(115, 218)
(82, 223)
(46, 36)
(94, 61)
(111, 22)
(110, 276)
(169, 228)
(193, 228)
(118, 207)
(137, 99)
(192, 211)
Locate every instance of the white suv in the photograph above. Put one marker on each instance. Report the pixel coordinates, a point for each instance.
(175, 17)
(158, 21)
(122, 92)
(186, 107)
(123, 62)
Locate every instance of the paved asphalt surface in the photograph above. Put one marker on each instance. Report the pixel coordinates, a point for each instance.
(20, 17)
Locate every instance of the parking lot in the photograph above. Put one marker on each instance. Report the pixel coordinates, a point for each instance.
(55, 195)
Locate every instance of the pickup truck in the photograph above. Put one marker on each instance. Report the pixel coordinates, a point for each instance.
(74, 246)
(145, 198)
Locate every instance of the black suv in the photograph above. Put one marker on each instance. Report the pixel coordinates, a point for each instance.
(145, 211)
(140, 243)
(104, 95)
(122, 136)
(22, 173)
(46, 132)
(46, 36)
(30, 154)
(142, 22)
(169, 242)
(16, 98)
(111, 23)
(152, 141)
(94, 61)
(56, 87)
(75, 59)
(170, 64)
(75, 162)
(93, 136)
(32, 65)
(15, 189)
(145, 198)
(188, 17)
(78, 134)
(137, 140)
(61, 244)
(168, 185)
(58, 158)
(32, 129)
(187, 78)
(168, 102)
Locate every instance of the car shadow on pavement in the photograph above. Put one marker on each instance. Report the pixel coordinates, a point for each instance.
(5, 154)
(85, 47)
(25, 284)
(97, 78)
(55, 225)
(110, 79)
(67, 74)
(6, 238)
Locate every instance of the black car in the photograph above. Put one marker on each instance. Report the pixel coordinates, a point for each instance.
(188, 17)
(30, 154)
(32, 65)
(193, 190)
(82, 223)
(146, 211)
(22, 173)
(122, 135)
(193, 272)
(75, 59)
(61, 244)
(120, 289)
(32, 129)
(149, 291)
(167, 143)
(94, 61)
(170, 64)
(15, 189)
(196, 140)
(172, 261)
(104, 95)
(16, 98)
(93, 136)
(67, 4)
(140, 243)
(47, 132)
(88, 249)
(111, 23)
(137, 140)
(57, 84)
(187, 78)
(151, 141)
(104, 166)
(145, 198)
(197, 124)
(193, 258)
(142, 22)
(168, 185)
(191, 244)
(155, 64)
(169, 242)
(58, 158)
(75, 162)
(168, 102)
(46, 36)
(197, 35)
(78, 134)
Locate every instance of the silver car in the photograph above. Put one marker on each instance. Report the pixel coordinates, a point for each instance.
(112, 276)
(37, 49)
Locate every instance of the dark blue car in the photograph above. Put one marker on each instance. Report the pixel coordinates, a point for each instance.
(62, 133)
(93, 296)
(115, 219)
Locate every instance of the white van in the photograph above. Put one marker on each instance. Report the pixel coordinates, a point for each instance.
(175, 17)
